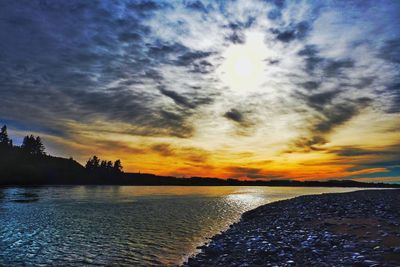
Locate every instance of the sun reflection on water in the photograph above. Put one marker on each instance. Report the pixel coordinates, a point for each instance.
(123, 225)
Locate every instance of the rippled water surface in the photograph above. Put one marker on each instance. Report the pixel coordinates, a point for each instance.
(122, 225)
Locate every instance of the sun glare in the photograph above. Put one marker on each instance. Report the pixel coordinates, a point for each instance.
(244, 66)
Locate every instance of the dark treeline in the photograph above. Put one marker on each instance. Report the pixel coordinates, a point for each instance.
(151, 179)
(29, 164)
(103, 168)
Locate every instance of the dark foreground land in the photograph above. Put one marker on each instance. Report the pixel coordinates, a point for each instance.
(345, 229)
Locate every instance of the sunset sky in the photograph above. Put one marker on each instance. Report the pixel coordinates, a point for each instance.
(306, 90)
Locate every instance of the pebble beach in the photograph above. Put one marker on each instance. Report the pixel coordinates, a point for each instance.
(359, 228)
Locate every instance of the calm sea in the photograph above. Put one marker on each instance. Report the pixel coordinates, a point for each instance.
(122, 225)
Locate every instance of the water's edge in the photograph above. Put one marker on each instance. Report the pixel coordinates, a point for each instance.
(315, 217)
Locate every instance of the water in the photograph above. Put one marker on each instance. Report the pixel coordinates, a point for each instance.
(122, 225)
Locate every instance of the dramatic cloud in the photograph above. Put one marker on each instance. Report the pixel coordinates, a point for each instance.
(198, 84)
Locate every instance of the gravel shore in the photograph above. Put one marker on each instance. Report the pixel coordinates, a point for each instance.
(345, 229)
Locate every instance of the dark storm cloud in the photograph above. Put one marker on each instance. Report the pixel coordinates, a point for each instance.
(237, 28)
(393, 91)
(191, 100)
(274, 14)
(129, 37)
(241, 24)
(202, 67)
(278, 3)
(189, 57)
(335, 116)
(60, 55)
(175, 124)
(286, 36)
(241, 119)
(70, 45)
(272, 61)
(390, 51)
(320, 100)
(311, 57)
(356, 151)
(298, 31)
(332, 107)
(236, 37)
(146, 5)
(177, 98)
(196, 5)
(159, 48)
(164, 150)
(116, 105)
(332, 111)
(331, 67)
(365, 82)
(308, 144)
(180, 55)
(310, 85)
(234, 115)
(334, 68)
(152, 74)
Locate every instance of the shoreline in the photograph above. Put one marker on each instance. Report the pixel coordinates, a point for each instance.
(360, 228)
(368, 187)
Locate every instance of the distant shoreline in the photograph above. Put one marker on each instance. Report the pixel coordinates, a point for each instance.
(394, 187)
(83, 178)
(360, 228)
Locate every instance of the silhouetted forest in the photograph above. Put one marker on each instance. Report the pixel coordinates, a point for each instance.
(29, 164)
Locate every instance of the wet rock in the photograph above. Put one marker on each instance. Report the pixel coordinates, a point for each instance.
(369, 263)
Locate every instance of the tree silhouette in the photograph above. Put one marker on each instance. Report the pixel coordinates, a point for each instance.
(109, 165)
(4, 140)
(103, 164)
(33, 145)
(93, 163)
(117, 166)
(103, 167)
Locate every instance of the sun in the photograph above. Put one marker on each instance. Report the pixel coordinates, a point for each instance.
(243, 68)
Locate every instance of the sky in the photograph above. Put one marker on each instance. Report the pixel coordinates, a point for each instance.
(305, 90)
